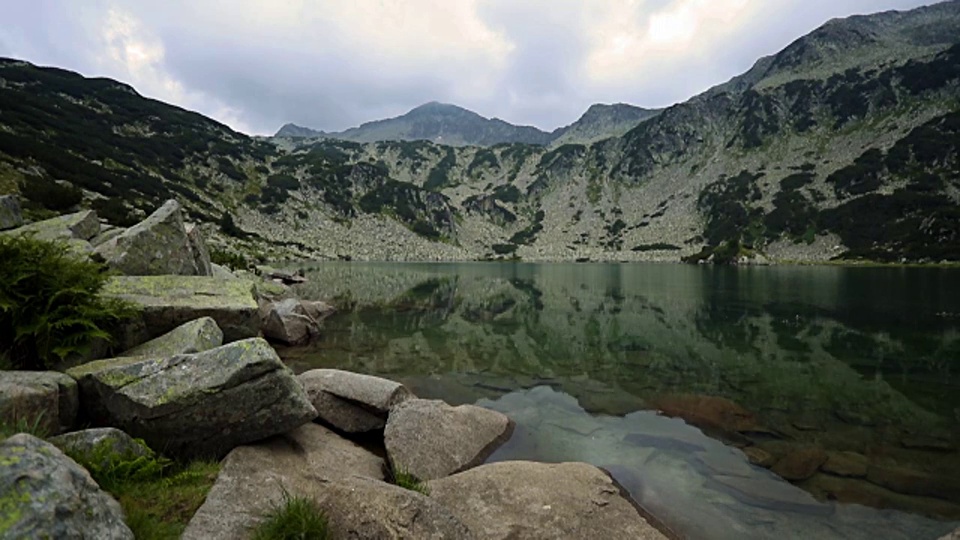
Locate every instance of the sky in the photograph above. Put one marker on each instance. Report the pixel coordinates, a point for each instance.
(332, 64)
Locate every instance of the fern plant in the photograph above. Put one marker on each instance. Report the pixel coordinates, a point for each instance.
(50, 303)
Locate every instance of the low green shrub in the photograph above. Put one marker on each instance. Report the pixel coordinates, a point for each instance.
(407, 480)
(50, 303)
(295, 518)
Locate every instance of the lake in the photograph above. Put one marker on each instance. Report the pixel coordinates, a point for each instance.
(687, 382)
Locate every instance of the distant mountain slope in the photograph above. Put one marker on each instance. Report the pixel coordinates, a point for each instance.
(845, 144)
(436, 122)
(602, 122)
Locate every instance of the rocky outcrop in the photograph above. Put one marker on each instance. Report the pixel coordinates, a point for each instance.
(158, 245)
(359, 507)
(105, 445)
(253, 478)
(45, 494)
(198, 404)
(535, 500)
(192, 337)
(352, 402)
(430, 439)
(169, 301)
(10, 216)
(46, 398)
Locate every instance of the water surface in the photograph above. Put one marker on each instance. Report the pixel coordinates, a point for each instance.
(861, 360)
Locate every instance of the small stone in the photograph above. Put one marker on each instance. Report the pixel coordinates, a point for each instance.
(91, 442)
(10, 216)
(850, 464)
(759, 457)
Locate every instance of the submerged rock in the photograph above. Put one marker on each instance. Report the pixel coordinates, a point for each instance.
(516, 499)
(253, 478)
(352, 402)
(192, 337)
(45, 494)
(158, 245)
(46, 398)
(198, 404)
(845, 464)
(800, 464)
(170, 301)
(430, 439)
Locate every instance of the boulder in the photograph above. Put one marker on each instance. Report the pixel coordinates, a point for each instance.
(104, 444)
(515, 499)
(158, 245)
(359, 507)
(168, 301)
(253, 478)
(10, 216)
(200, 404)
(715, 415)
(47, 397)
(430, 439)
(192, 337)
(352, 402)
(221, 272)
(759, 457)
(45, 494)
(849, 464)
(198, 245)
(74, 229)
(287, 321)
(800, 464)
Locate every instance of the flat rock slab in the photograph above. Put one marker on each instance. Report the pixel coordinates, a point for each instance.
(430, 439)
(170, 301)
(49, 398)
(77, 226)
(195, 336)
(158, 245)
(45, 494)
(352, 402)
(199, 404)
(516, 499)
(253, 478)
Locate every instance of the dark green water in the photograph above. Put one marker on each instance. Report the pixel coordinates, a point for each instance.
(864, 360)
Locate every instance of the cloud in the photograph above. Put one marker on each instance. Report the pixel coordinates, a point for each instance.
(331, 64)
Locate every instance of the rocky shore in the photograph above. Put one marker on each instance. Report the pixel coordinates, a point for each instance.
(197, 379)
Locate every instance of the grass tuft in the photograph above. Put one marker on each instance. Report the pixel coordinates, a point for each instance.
(295, 518)
(406, 480)
(12, 423)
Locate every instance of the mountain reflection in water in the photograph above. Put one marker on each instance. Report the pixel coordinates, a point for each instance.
(850, 371)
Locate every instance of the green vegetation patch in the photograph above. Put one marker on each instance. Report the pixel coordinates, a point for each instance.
(406, 480)
(50, 303)
(295, 518)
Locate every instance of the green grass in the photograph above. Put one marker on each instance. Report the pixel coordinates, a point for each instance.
(295, 518)
(13, 423)
(406, 480)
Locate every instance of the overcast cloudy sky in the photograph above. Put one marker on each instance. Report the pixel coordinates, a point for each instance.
(332, 64)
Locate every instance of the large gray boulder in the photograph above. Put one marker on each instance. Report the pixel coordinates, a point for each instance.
(202, 404)
(528, 500)
(287, 321)
(430, 439)
(158, 245)
(108, 445)
(198, 246)
(253, 478)
(352, 402)
(45, 494)
(10, 216)
(195, 336)
(358, 507)
(47, 398)
(166, 302)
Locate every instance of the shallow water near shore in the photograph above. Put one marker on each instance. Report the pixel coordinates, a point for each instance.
(858, 360)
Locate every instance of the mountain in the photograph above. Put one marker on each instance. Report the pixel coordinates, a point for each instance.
(602, 122)
(846, 144)
(436, 122)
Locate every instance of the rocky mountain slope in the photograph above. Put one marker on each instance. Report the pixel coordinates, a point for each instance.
(844, 144)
